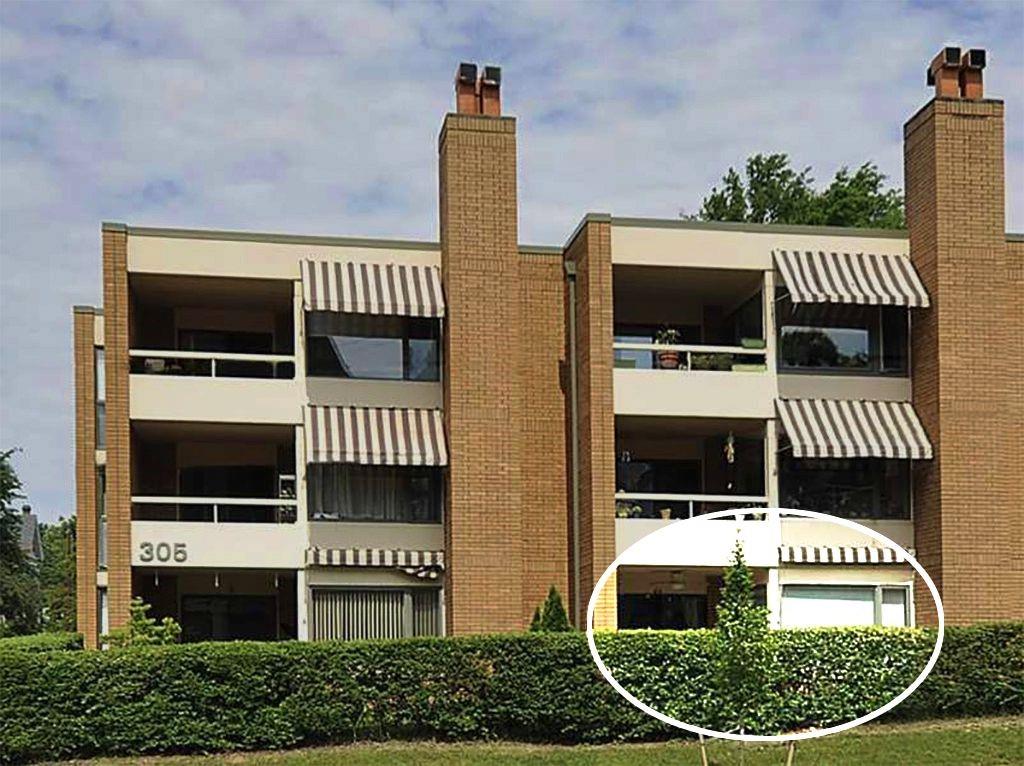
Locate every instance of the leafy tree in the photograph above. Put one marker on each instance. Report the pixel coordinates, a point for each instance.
(57, 576)
(143, 630)
(20, 602)
(747, 668)
(551, 617)
(771, 191)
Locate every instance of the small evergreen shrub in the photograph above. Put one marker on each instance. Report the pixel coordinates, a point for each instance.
(550, 617)
(142, 630)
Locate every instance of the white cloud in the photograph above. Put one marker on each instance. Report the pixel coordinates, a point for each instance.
(323, 118)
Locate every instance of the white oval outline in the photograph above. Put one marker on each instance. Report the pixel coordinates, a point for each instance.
(773, 737)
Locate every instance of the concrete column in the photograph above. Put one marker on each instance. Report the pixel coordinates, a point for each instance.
(771, 462)
(773, 591)
(299, 329)
(301, 605)
(768, 319)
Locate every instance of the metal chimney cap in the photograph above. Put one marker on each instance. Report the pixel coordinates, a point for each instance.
(974, 58)
(492, 75)
(466, 73)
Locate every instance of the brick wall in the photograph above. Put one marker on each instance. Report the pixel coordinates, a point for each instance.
(118, 496)
(544, 501)
(483, 392)
(85, 474)
(966, 388)
(590, 250)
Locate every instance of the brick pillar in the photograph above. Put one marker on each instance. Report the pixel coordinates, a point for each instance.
(606, 611)
(482, 390)
(590, 250)
(86, 562)
(118, 497)
(966, 387)
(544, 501)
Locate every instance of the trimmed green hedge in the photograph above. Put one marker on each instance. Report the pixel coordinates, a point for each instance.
(536, 687)
(42, 642)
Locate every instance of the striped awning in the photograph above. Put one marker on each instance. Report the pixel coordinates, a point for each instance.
(372, 288)
(375, 436)
(853, 428)
(862, 278)
(423, 564)
(840, 554)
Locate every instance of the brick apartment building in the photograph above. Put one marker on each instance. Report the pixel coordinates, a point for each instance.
(311, 437)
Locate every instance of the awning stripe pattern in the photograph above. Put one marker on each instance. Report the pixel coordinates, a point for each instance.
(853, 428)
(861, 278)
(840, 554)
(422, 564)
(372, 288)
(375, 436)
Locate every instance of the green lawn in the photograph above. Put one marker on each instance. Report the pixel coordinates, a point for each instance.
(991, 742)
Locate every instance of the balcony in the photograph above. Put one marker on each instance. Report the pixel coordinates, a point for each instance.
(208, 494)
(691, 342)
(212, 349)
(670, 469)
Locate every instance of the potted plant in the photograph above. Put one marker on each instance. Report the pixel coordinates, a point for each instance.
(627, 510)
(667, 359)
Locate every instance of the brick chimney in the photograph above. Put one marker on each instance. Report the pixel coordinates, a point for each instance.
(483, 399)
(478, 94)
(967, 524)
(970, 74)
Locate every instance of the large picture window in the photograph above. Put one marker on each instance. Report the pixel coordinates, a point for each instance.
(851, 488)
(383, 493)
(842, 338)
(814, 606)
(372, 347)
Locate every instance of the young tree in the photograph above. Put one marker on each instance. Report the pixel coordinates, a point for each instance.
(143, 630)
(20, 602)
(746, 669)
(551, 617)
(57, 576)
(771, 191)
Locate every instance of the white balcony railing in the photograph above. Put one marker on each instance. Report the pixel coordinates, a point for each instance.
(667, 506)
(699, 357)
(258, 510)
(204, 364)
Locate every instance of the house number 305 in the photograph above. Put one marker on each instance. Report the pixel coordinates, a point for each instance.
(163, 552)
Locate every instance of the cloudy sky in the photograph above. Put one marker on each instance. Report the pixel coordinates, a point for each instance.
(323, 118)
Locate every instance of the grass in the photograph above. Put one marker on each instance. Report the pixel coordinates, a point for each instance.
(965, 742)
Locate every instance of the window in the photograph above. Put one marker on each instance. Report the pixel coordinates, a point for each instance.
(662, 611)
(749, 319)
(661, 476)
(101, 398)
(842, 338)
(101, 516)
(103, 616)
(812, 606)
(851, 488)
(228, 618)
(372, 347)
(383, 493)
